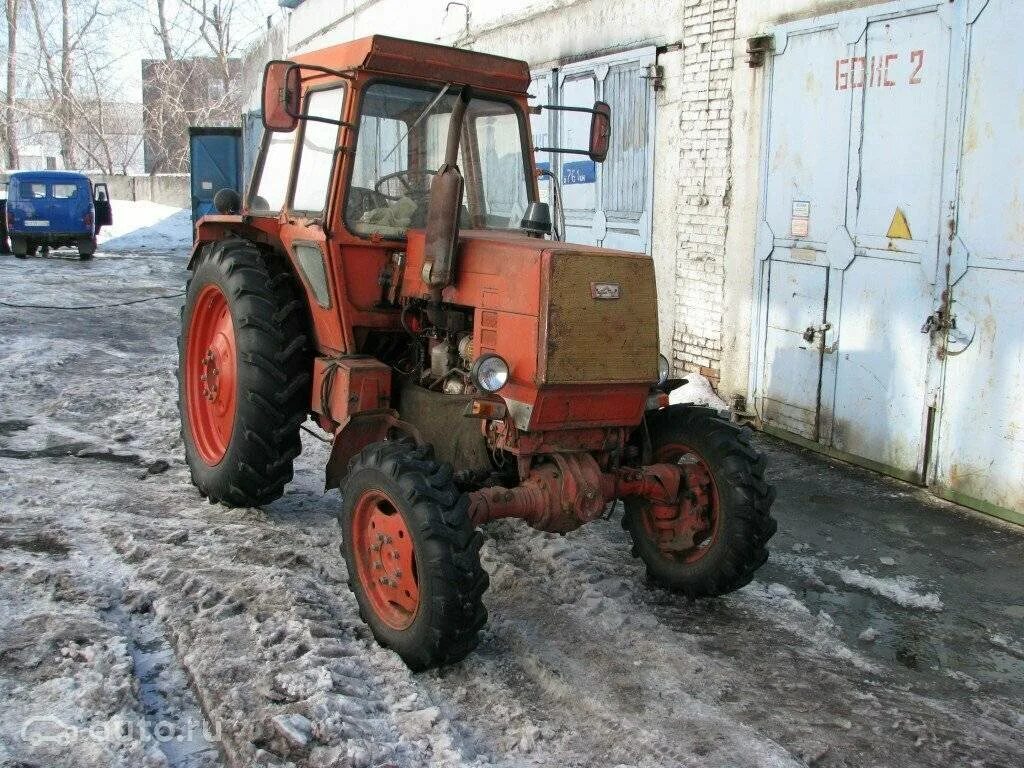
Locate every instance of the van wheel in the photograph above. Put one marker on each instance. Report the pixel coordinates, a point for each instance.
(86, 248)
(20, 247)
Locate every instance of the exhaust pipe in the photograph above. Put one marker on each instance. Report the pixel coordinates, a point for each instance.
(446, 190)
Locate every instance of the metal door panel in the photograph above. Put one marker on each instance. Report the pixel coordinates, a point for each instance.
(808, 127)
(626, 186)
(879, 406)
(980, 453)
(792, 364)
(901, 111)
(990, 222)
(881, 355)
(980, 446)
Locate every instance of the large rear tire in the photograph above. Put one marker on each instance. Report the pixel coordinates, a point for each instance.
(413, 556)
(725, 477)
(20, 246)
(243, 374)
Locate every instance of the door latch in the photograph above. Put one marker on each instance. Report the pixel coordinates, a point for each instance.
(813, 330)
(938, 322)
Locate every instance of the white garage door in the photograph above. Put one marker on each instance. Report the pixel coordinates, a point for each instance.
(868, 247)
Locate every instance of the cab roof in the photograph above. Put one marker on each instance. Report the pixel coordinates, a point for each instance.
(49, 176)
(426, 61)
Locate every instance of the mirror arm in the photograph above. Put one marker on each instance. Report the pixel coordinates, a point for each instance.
(347, 74)
(560, 151)
(561, 108)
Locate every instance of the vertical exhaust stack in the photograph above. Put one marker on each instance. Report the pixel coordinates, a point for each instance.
(442, 235)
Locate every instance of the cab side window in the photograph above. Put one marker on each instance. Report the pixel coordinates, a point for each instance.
(272, 188)
(316, 158)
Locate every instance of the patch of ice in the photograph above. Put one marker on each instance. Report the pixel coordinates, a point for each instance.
(869, 635)
(901, 590)
(887, 560)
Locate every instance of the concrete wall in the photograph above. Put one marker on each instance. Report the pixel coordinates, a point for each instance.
(166, 188)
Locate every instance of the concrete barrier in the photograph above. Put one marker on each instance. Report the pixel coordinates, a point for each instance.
(166, 188)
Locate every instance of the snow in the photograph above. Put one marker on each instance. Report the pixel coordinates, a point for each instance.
(698, 391)
(901, 590)
(140, 225)
(143, 626)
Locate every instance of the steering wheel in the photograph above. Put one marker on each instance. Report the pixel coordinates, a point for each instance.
(395, 186)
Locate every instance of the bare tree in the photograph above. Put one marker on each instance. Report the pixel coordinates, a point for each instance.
(10, 123)
(58, 81)
(215, 28)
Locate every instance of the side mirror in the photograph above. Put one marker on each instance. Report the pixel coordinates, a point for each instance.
(600, 131)
(282, 91)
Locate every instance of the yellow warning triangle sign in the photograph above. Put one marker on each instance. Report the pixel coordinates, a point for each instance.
(899, 229)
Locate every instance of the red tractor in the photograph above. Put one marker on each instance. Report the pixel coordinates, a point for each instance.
(393, 274)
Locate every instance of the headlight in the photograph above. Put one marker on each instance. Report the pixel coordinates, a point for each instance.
(663, 369)
(489, 372)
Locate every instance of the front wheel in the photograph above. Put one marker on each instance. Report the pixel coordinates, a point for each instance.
(717, 541)
(413, 556)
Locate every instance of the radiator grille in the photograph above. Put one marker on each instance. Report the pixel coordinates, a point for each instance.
(601, 340)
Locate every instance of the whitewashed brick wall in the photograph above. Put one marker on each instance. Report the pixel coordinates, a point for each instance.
(704, 182)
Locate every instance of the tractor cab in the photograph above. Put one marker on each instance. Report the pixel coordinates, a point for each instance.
(392, 274)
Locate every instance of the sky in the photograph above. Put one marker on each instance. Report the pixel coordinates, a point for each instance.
(139, 41)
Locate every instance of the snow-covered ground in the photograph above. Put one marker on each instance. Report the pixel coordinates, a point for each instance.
(144, 226)
(141, 626)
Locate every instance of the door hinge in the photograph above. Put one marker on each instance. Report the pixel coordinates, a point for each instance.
(758, 48)
(656, 75)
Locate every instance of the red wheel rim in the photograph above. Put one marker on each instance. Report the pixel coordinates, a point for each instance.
(697, 521)
(385, 559)
(210, 372)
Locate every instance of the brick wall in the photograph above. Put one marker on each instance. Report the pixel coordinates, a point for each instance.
(704, 182)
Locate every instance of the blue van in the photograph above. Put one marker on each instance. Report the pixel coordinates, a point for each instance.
(53, 209)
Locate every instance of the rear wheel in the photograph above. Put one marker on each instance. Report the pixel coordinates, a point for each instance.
(22, 247)
(243, 374)
(86, 247)
(413, 556)
(717, 540)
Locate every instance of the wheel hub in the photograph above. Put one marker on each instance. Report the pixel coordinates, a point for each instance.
(685, 531)
(386, 561)
(210, 375)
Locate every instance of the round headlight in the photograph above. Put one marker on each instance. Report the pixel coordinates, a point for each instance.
(489, 372)
(664, 369)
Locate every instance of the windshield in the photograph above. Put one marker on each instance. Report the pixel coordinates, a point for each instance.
(400, 145)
